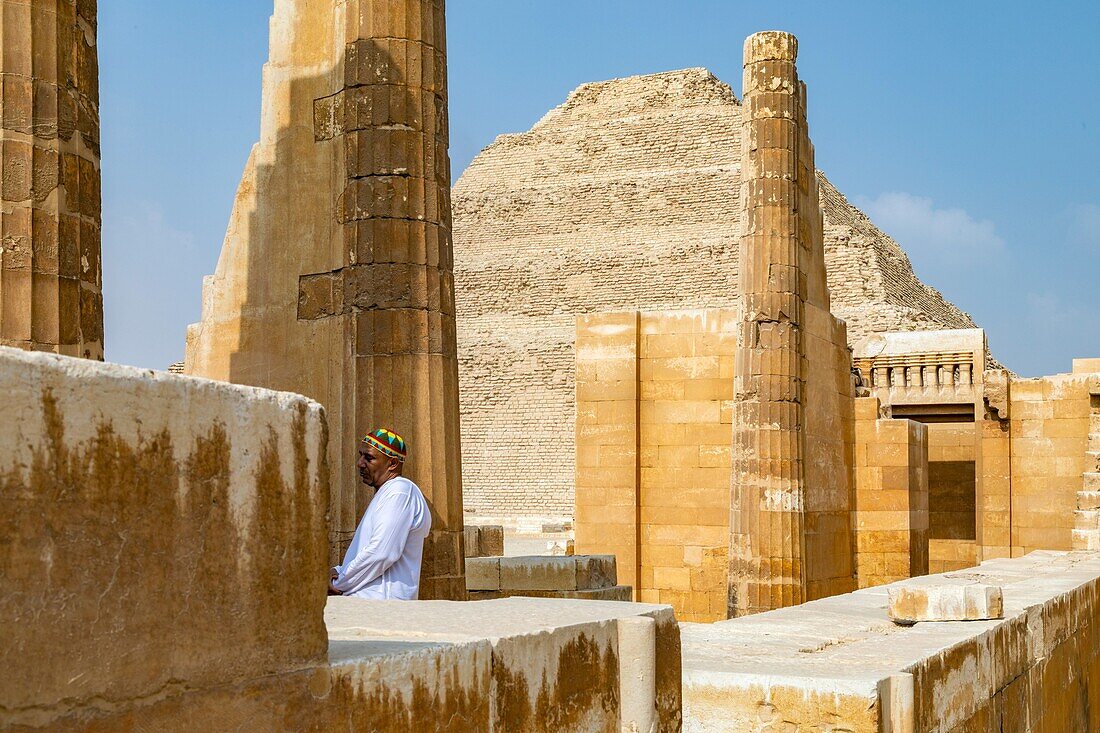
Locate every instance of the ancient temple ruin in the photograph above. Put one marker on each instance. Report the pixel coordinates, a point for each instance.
(779, 430)
(625, 197)
(335, 277)
(50, 276)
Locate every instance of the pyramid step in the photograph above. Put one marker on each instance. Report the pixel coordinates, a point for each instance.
(1092, 482)
(1087, 500)
(1092, 461)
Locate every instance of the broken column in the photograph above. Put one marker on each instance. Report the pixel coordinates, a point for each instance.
(336, 276)
(50, 281)
(767, 533)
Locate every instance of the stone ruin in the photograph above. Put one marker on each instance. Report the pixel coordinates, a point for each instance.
(165, 538)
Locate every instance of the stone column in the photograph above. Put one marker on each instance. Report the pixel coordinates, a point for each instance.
(397, 226)
(767, 533)
(50, 281)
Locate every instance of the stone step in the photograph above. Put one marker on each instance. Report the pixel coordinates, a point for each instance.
(1092, 461)
(1092, 482)
(1087, 500)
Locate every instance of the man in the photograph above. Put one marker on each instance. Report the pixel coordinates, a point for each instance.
(383, 560)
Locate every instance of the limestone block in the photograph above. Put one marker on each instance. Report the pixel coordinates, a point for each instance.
(490, 540)
(538, 573)
(556, 664)
(595, 571)
(470, 541)
(483, 573)
(928, 601)
(153, 513)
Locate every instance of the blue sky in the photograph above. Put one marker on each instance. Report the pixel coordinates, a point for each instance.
(968, 131)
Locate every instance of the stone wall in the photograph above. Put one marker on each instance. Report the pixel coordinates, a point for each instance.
(625, 197)
(841, 664)
(653, 452)
(51, 278)
(159, 532)
(952, 496)
(1033, 462)
(890, 521)
(653, 425)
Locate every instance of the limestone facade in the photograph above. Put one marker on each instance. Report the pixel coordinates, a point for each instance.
(50, 209)
(335, 279)
(653, 466)
(625, 197)
(890, 516)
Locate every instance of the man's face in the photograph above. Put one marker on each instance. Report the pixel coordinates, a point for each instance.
(374, 468)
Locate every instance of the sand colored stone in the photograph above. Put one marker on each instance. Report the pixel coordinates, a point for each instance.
(50, 209)
(623, 198)
(654, 426)
(890, 517)
(149, 544)
(335, 277)
(936, 599)
(841, 664)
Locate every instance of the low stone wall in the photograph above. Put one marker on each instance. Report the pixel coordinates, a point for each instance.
(155, 529)
(841, 664)
(525, 664)
(163, 556)
(589, 577)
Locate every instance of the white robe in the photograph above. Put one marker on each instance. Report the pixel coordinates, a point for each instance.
(383, 560)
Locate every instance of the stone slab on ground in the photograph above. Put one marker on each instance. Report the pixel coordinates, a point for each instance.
(540, 647)
(556, 573)
(939, 600)
(841, 662)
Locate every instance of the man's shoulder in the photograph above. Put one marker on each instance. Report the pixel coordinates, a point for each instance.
(401, 485)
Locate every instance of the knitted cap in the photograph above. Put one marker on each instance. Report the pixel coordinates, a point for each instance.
(388, 443)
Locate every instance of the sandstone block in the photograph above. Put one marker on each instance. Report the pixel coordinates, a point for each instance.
(928, 601)
(482, 573)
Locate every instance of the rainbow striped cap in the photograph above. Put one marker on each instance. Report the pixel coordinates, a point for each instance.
(388, 443)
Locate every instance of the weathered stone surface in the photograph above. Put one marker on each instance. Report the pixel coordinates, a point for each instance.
(490, 540)
(935, 600)
(50, 212)
(482, 573)
(335, 276)
(541, 650)
(159, 531)
(538, 573)
(595, 571)
(840, 663)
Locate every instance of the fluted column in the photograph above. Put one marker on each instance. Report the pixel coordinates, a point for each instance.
(50, 279)
(397, 218)
(767, 534)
